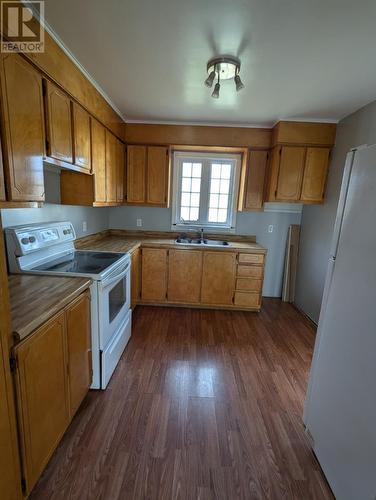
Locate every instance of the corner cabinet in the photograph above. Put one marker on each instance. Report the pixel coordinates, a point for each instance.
(202, 278)
(22, 129)
(53, 375)
(148, 170)
(298, 174)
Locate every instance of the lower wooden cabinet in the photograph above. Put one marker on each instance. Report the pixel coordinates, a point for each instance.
(53, 376)
(197, 277)
(218, 278)
(135, 277)
(79, 351)
(154, 274)
(184, 276)
(2, 180)
(42, 394)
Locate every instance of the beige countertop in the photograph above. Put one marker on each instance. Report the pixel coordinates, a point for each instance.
(116, 241)
(35, 299)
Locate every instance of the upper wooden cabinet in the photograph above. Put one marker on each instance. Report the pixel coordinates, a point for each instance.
(2, 180)
(136, 174)
(315, 174)
(79, 350)
(218, 278)
(22, 129)
(81, 134)
(42, 394)
(120, 171)
(59, 123)
(98, 160)
(154, 274)
(157, 175)
(147, 175)
(111, 167)
(184, 276)
(253, 197)
(298, 174)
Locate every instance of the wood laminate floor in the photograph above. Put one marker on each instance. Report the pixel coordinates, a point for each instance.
(204, 404)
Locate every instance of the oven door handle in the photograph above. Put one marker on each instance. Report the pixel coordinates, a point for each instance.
(108, 282)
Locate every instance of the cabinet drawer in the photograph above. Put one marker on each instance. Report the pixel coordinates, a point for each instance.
(247, 299)
(250, 271)
(249, 284)
(251, 258)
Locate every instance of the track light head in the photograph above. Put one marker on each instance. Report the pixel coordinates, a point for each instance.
(215, 93)
(238, 83)
(210, 79)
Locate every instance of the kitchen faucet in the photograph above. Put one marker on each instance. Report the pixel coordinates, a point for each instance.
(202, 235)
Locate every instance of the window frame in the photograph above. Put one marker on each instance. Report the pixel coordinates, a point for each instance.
(216, 156)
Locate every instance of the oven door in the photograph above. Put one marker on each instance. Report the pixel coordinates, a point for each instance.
(114, 303)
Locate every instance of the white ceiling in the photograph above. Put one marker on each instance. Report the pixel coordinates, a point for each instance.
(301, 59)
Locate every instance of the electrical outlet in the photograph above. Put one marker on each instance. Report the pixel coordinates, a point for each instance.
(270, 228)
(84, 226)
(139, 222)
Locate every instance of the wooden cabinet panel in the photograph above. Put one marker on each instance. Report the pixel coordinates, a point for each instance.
(111, 168)
(247, 299)
(22, 129)
(315, 173)
(184, 276)
(136, 174)
(59, 123)
(249, 284)
(157, 175)
(42, 394)
(98, 158)
(154, 274)
(254, 189)
(250, 271)
(120, 164)
(135, 277)
(79, 350)
(81, 133)
(218, 278)
(2, 180)
(251, 258)
(290, 174)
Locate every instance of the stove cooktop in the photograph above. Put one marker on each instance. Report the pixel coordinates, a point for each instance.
(81, 262)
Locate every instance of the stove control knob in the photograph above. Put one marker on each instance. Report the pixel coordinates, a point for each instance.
(65, 231)
(25, 241)
(32, 239)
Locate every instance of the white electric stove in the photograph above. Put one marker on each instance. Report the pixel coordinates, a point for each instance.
(49, 249)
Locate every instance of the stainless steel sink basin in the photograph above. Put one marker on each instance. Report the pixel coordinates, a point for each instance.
(202, 242)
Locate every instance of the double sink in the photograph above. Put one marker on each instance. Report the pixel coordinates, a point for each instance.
(201, 242)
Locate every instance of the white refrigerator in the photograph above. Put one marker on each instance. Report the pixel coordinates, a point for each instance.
(340, 408)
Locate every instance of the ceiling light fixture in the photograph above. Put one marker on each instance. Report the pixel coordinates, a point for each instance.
(225, 68)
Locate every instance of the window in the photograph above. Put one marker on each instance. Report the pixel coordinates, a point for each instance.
(205, 187)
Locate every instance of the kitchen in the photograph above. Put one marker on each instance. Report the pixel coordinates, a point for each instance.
(176, 237)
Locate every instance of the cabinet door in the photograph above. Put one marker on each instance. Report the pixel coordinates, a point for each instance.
(315, 173)
(59, 124)
(290, 174)
(81, 132)
(98, 159)
(111, 168)
(120, 164)
(254, 190)
(154, 274)
(2, 181)
(79, 350)
(184, 276)
(218, 278)
(23, 129)
(42, 395)
(157, 175)
(136, 167)
(135, 278)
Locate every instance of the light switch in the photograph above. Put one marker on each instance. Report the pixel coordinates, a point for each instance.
(84, 226)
